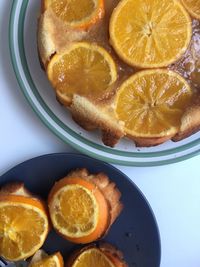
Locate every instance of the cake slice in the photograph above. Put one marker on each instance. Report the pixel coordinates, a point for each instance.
(190, 122)
(92, 116)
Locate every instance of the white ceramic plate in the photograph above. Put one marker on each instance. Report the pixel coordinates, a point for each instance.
(38, 91)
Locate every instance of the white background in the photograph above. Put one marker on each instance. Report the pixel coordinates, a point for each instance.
(173, 191)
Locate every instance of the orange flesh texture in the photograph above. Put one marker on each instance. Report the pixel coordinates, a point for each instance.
(23, 225)
(83, 71)
(103, 218)
(153, 34)
(93, 257)
(150, 105)
(49, 261)
(68, 12)
(193, 7)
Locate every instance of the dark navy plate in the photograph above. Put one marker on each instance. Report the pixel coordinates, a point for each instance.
(135, 232)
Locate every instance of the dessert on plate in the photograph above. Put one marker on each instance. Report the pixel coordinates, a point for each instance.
(130, 68)
(42, 259)
(24, 222)
(97, 256)
(83, 206)
(93, 255)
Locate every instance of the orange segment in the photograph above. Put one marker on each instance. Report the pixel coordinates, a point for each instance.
(75, 13)
(152, 102)
(150, 33)
(55, 260)
(94, 258)
(78, 210)
(23, 226)
(84, 69)
(193, 7)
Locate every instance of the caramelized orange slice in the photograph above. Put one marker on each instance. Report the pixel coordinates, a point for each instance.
(152, 102)
(44, 260)
(94, 258)
(103, 255)
(149, 34)
(23, 226)
(84, 69)
(78, 210)
(75, 13)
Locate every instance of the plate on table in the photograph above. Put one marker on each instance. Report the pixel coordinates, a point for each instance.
(38, 92)
(135, 232)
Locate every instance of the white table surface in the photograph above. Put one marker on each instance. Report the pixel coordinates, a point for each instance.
(173, 191)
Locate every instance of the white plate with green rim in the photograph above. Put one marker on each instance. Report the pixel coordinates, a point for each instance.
(38, 92)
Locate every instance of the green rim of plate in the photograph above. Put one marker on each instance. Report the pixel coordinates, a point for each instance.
(110, 151)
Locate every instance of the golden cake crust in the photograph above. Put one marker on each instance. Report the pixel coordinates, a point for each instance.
(90, 116)
(15, 188)
(190, 122)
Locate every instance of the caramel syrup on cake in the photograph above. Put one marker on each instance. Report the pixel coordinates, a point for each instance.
(188, 66)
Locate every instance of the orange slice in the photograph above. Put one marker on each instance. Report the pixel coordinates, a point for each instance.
(83, 69)
(193, 7)
(149, 34)
(78, 210)
(93, 257)
(23, 226)
(103, 255)
(78, 14)
(55, 260)
(152, 102)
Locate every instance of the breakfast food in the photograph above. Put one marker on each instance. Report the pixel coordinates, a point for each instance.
(93, 57)
(83, 206)
(97, 256)
(24, 222)
(41, 259)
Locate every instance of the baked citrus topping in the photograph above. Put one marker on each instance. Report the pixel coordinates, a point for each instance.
(149, 34)
(84, 69)
(75, 13)
(54, 260)
(94, 258)
(152, 102)
(23, 226)
(193, 7)
(78, 210)
(88, 59)
(97, 255)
